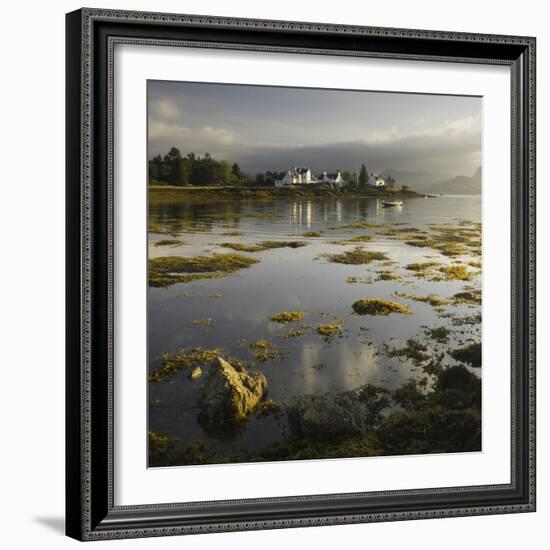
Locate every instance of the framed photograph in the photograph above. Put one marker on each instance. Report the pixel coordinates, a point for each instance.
(300, 274)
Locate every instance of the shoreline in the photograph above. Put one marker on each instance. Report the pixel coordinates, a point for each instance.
(270, 193)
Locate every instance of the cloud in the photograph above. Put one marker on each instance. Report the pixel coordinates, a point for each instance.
(451, 129)
(219, 142)
(165, 109)
(191, 138)
(167, 128)
(453, 147)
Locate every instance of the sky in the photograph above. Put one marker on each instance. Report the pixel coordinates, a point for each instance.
(274, 128)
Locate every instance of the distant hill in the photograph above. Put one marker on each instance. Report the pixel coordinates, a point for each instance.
(419, 181)
(426, 182)
(460, 185)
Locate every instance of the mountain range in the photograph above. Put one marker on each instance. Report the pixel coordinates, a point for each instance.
(445, 184)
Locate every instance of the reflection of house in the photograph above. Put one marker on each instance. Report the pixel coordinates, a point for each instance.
(296, 176)
(332, 178)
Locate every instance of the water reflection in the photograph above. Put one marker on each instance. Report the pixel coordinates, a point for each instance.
(288, 279)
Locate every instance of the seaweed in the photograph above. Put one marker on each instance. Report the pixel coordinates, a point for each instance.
(169, 242)
(175, 227)
(294, 333)
(455, 273)
(451, 249)
(467, 297)
(413, 350)
(358, 239)
(422, 266)
(440, 334)
(172, 363)
(329, 330)
(263, 350)
(307, 449)
(409, 395)
(268, 407)
(161, 280)
(447, 419)
(167, 451)
(356, 256)
(240, 247)
(264, 245)
(379, 306)
(448, 240)
(376, 399)
(470, 354)
(168, 270)
(466, 320)
(432, 429)
(431, 299)
(286, 317)
(387, 275)
(361, 225)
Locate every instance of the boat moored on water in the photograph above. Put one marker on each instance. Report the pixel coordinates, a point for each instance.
(389, 204)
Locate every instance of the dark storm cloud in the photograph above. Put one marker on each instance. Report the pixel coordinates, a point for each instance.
(270, 128)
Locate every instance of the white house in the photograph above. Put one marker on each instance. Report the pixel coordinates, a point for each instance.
(335, 178)
(296, 176)
(377, 181)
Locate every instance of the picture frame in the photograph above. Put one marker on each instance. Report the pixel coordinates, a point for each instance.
(91, 510)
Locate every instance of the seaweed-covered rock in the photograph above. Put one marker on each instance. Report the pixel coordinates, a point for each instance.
(379, 306)
(470, 354)
(229, 393)
(325, 416)
(337, 415)
(432, 429)
(195, 374)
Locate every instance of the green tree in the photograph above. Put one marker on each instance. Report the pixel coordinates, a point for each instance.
(173, 155)
(226, 173)
(260, 179)
(184, 168)
(363, 176)
(171, 163)
(349, 177)
(155, 168)
(238, 174)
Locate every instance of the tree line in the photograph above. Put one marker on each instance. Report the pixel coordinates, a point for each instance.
(175, 169)
(193, 169)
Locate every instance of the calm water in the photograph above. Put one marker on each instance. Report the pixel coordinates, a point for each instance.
(288, 279)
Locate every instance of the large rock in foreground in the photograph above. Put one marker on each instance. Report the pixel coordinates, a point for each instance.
(338, 415)
(229, 394)
(326, 416)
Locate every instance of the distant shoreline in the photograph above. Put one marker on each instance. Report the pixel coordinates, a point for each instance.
(174, 192)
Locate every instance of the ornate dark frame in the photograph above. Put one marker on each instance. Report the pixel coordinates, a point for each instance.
(90, 510)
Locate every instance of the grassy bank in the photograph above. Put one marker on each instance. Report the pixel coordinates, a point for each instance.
(171, 192)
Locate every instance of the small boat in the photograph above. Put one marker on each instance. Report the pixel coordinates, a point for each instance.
(387, 204)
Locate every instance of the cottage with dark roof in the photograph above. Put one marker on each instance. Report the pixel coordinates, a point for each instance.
(335, 178)
(296, 176)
